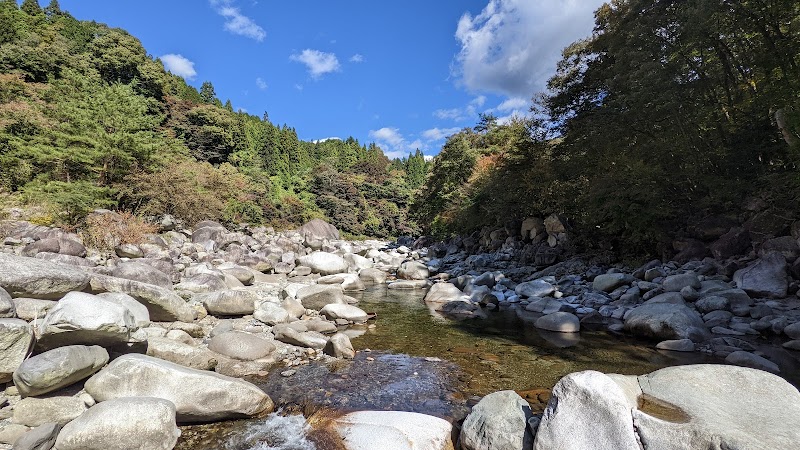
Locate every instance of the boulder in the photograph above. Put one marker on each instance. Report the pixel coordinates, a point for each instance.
(413, 270)
(372, 276)
(587, 410)
(766, 277)
(392, 430)
(138, 271)
(785, 245)
(42, 437)
(676, 345)
(123, 424)
(544, 305)
(54, 369)
(33, 411)
(712, 303)
(358, 262)
(562, 322)
(318, 229)
(675, 283)
(443, 293)
(324, 263)
(535, 288)
(347, 312)
(181, 353)
(665, 321)
(271, 313)
(140, 313)
(289, 335)
(317, 296)
(408, 284)
(229, 302)
(607, 282)
(241, 345)
(498, 422)
(81, 318)
(202, 282)
(747, 359)
(7, 308)
(734, 242)
(199, 396)
(339, 346)
(15, 342)
(162, 304)
(36, 278)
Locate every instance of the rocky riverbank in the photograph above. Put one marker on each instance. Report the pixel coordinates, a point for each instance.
(165, 332)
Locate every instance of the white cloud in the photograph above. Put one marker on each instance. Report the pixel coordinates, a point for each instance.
(236, 22)
(318, 63)
(435, 134)
(261, 84)
(453, 114)
(394, 144)
(512, 104)
(299, 87)
(460, 114)
(332, 138)
(512, 46)
(357, 58)
(179, 65)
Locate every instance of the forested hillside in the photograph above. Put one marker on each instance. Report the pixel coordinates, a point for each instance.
(671, 113)
(88, 119)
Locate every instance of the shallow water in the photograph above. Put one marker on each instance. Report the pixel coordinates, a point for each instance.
(421, 362)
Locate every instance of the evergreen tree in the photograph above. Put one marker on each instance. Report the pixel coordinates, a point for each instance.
(31, 8)
(207, 94)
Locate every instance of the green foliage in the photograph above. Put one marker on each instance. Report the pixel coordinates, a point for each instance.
(68, 202)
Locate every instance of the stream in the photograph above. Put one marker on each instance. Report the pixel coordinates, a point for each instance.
(415, 360)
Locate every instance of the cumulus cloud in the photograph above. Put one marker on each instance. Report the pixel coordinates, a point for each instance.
(513, 103)
(332, 138)
(179, 65)
(318, 63)
(512, 46)
(357, 58)
(435, 134)
(470, 111)
(261, 84)
(236, 22)
(393, 143)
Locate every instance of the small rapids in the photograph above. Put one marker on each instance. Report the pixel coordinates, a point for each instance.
(274, 432)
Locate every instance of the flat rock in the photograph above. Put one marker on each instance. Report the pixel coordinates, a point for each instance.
(33, 411)
(289, 335)
(229, 302)
(443, 293)
(498, 422)
(317, 296)
(535, 288)
(36, 278)
(139, 271)
(562, 322)
(348, 312)
(324, 263)
(665, 321)
(54, 369)
(393, 430)
(123, 424)
(676, 345)
(372, 276)
(81, 318)
(163, 305)
(241, 345)
(140, 313)
(674, 283)
(32, 308)
(199, 396)
(747, 359)
(181, 353)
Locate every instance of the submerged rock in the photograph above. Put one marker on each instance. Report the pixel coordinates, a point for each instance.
(393, 430)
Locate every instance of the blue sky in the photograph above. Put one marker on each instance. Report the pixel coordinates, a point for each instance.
(404, 74)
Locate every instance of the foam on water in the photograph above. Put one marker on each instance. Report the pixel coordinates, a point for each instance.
(275, 432)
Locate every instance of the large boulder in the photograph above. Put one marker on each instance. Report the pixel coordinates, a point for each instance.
(54, 369)
(665, 321)
(199, 396)
(443, 293)
(535, 288)
(562, 322)
(674, 283)
(42, 437)
(607, 282)
(339, 346)
(413, 270)
(15, 342)
(182, 353)
(36, 278)
(317, 296)
(81, 318)
(162, 304)
(7, 308)
(62, 245)
(140, 313)
(241, 345)
(35, 411)
(393, 430)
(324, 263)
(350, 313)
(372, 276)
(123, 424)
(273, 313)
(498, 422)
(766, 277)
(318, 229)
(138, 271)
(230, 302)
(289, 335)
(734, 242)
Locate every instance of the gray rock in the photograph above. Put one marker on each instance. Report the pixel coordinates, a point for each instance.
(317, 296)
(665, 321)
(413, 270)
(35, 278)
(129, 251)
(677, 345)
(244, 275)
(792, 345)
(766, 277)
(271, 313)
(319, 229)
(372, 276)
(11, 432)
(15, 342)
(162, 304)
(712, 303)
(42, 437)
(562, 322)
(241, 345)
(324, 263)
(734, 242)
(181, 353)
(7, 308)
(544, 305)
(138, 271)
(395, 430)
(199, 396)
(498, 422)
(675, 283)
(339, 346)
(294, 308)
(33, 411)
(358, 262)
(408, 284)
(140, 313)
(289, 335)
(443, 292)
(123, 424)
(348, 312)
(229, 302)
(54, 369)
(587, 410)
(535, 288)
(81, 318)
(747, 359)
(607, 282)
(202, 282)
(793, 330)
(674, 298)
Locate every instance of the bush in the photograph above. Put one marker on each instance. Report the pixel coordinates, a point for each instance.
(107, 231)
(69, 203)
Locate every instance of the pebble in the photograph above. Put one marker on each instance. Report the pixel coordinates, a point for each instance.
(288, 373)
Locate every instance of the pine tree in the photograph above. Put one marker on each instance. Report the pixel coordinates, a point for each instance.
(207, 93)
(31, 8)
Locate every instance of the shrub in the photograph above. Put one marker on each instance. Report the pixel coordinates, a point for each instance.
(106, 231)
